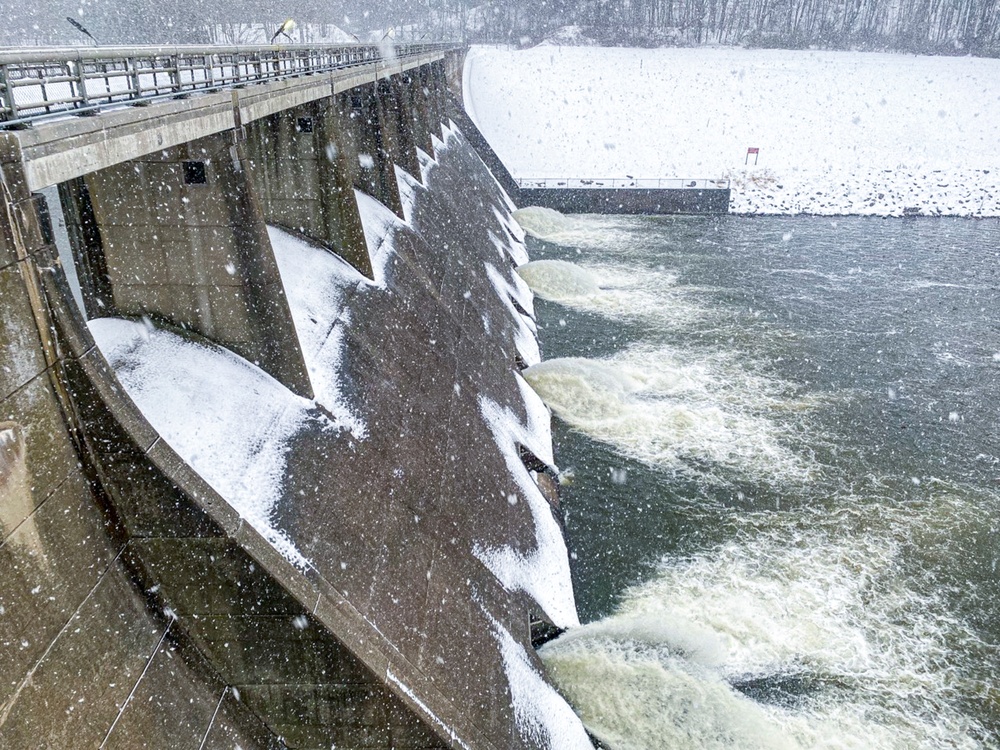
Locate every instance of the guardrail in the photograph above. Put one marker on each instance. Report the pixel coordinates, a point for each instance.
(619, 183)
(41, 82)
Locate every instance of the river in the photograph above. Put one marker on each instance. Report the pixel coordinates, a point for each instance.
(780, 447)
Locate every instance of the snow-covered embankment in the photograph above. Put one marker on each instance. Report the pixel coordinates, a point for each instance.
(837, 132)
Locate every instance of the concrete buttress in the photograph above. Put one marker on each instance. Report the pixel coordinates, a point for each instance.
(304, 162)
(184, 240)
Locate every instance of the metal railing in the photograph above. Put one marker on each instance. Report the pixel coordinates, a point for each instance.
(41, 82)
(619, 183)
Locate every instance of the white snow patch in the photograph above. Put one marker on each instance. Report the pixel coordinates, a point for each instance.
(316, 285)
(543, 716)
(449, 132)
(525, 338)
(427, 163)
(510, 251)
(514, 245)
(380, 225)
(408, 188)
(544, 572)
(228, 419)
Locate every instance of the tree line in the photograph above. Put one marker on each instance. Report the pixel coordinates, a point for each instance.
(923, 26)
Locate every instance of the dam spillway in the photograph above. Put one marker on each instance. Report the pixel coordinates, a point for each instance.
(268, 473)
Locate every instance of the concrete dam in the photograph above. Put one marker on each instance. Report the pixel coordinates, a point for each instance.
(269, 475)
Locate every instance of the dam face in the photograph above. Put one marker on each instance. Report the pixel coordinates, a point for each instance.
(269, 475)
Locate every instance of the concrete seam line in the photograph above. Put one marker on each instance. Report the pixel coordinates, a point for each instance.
(135, 687)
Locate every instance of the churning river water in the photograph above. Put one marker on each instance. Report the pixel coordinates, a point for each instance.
(781, 448)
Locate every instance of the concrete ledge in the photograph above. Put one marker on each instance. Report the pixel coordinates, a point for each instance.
(55, 153)
(627, 201)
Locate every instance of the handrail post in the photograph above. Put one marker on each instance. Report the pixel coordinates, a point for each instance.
(45, 93)
(81, 81)
(175, 72)
(134, 84)
(8, 94)
(78, 86)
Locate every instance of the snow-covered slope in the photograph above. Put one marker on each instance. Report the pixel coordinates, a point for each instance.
(838, 132)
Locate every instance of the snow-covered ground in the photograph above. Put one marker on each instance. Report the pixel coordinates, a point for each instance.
(837, 132)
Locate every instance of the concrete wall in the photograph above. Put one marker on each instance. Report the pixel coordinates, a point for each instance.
(305, 165)
(627, 201)
(183, 239)
(86, 656)
(95, 509)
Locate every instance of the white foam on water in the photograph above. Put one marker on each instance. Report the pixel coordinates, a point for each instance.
(592, 232)
(669, 408)
(617, 292)
(560, 280)
(814, 596)
(547, 223)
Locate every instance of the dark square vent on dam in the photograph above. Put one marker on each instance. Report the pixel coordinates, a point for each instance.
(194, 173)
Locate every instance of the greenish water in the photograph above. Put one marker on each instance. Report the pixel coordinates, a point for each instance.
(784, 442)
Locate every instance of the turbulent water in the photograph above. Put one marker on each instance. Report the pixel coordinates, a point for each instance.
(781, 445)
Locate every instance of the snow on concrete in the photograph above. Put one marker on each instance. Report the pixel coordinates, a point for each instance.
(515, 243)
(544, 572)
(380, 225)
(449, 134)
(409, 187)
(228, 419)
(515, 250)
(427, 163)
(509, 291)
(838, 132)
(543, 717)
(317, 284)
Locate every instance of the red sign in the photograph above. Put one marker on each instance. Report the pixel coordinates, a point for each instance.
(753, 150)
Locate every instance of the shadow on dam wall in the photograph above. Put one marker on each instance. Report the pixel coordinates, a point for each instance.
(137, 607)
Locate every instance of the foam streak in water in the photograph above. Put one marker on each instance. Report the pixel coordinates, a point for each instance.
(668, 410)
